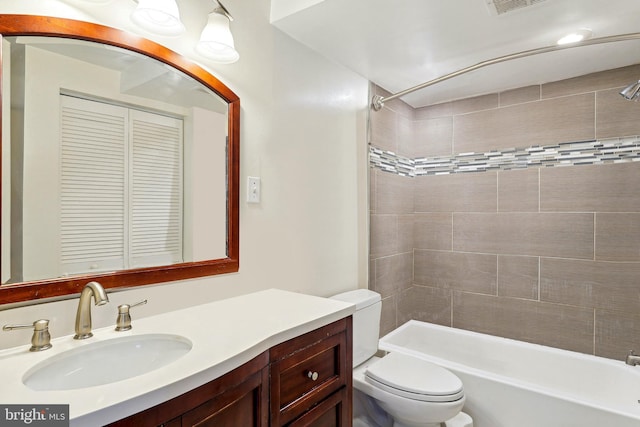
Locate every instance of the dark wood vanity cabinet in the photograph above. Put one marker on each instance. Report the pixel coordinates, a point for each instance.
(306, 381)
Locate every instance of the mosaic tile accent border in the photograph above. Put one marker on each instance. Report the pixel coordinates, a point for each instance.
(614, 150)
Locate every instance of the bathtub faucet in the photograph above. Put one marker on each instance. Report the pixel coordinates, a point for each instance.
(632, 359)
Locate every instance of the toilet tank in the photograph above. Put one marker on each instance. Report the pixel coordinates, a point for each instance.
(366, 322)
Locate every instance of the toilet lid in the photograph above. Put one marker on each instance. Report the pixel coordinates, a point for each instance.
(414, 378)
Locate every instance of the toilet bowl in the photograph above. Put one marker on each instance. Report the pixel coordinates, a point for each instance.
(398, 389)
(430, 396)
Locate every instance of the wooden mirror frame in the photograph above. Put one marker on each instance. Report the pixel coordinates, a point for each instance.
(31, 25)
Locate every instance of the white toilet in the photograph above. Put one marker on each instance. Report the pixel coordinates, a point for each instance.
(397, 390)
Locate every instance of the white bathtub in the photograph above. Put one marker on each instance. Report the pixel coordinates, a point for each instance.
(511, 383)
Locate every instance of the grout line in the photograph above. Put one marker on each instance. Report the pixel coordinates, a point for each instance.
(595, 113)
(594, 332)
(451, 304)
(452, 233)
(539, 190)
(595, 216)
(497, 274)
(539, 274)
(453, 132)
(498, 191)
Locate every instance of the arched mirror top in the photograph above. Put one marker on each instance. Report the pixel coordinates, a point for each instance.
(197, 193)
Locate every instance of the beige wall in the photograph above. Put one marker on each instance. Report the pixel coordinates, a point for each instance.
(549, 255)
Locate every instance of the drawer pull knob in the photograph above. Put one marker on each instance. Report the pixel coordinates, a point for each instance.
(312, 375)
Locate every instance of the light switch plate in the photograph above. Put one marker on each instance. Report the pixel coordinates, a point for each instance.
(253, 189)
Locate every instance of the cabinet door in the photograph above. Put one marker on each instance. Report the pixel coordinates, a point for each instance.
(239, 406)
(238, 398)
(331, 412)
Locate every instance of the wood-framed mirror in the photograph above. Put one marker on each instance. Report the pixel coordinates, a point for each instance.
(157, 202)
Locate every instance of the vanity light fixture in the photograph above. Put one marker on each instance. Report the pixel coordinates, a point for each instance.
(576, 36)
(160, 17)
(216, 40)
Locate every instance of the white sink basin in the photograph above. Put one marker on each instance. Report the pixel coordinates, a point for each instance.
(105, 362)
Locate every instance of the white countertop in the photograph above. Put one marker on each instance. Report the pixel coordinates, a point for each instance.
(225, 334)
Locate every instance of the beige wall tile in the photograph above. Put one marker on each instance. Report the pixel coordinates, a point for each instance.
(394, 194)
(433, 231)
(383, 235)
(536, 234)
(372, 272)
(592, 82)
(518, 276)
(456, 193)
(518, 190)
(478, 103)
(406, 237)
(596, 284)
(537, 123)
(434, 137)
(406, 137)
(615, 116)
(377, 90)
(372, 189)
(554, 325)
(425, 304)
(393, 274)
(591, 188)
(434, 111)
(384, 130)
(616, 333)
(454, 270)
(618, 237)
(388, 315)
(520, 95)
(496, 291)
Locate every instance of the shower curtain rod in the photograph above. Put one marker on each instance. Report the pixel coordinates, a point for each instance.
(377, 102)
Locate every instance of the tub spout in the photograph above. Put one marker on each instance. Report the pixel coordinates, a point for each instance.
(632, 359)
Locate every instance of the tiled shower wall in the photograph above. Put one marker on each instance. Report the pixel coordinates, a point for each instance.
(545, 252)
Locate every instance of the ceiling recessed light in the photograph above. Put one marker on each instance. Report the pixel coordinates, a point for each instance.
(576, 36)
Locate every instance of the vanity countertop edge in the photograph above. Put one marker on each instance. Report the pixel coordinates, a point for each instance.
(225, 334)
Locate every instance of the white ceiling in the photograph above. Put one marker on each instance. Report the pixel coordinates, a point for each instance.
(402, 43)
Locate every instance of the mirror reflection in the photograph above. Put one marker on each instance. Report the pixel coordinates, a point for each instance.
(101, 150)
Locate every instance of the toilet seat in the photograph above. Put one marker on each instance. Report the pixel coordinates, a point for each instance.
(414, 378)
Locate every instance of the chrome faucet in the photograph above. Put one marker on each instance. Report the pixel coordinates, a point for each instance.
(632, 359)
(83, 316)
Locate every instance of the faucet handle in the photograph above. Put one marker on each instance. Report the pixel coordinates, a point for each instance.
(41, 339)
(123, 322)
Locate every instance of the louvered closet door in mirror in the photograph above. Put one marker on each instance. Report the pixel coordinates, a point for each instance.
(121, 187)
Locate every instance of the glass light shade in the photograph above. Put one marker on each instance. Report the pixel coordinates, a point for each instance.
(158, 17)
(216, 40)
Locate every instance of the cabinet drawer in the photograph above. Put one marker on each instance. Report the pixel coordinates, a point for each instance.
(320, 361)
(309, 374)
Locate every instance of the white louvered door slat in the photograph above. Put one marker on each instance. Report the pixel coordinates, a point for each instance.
(92, 185)
(156, 182)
